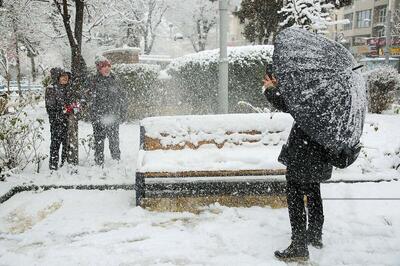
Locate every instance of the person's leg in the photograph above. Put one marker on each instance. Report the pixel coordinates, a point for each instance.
(64, 140)
(297, 212)
(54, 145)
(297, 250)
(113, 139)
(315, 214)
(99, 135)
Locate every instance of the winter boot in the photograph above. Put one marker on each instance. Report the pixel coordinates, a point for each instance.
(315, 242)
(294, 253)
(314, 239)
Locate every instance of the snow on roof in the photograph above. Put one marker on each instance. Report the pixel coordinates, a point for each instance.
(257, 52)
(123, 49)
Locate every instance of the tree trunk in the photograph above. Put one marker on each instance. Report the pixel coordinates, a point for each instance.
(77, 67)
(18, 63)
(8, 78)
(33, 68)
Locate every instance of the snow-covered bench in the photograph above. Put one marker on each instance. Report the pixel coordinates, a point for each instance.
(187, 161)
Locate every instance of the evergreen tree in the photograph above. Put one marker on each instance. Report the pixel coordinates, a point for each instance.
(261, 19)
(311, 15)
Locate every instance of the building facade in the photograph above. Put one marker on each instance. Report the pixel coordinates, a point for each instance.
(365, 34)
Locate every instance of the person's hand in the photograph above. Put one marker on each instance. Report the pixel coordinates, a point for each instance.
(269, 82)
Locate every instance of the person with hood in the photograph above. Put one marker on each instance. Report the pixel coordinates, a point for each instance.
(56, 100)
(307, 165)
(107, 109)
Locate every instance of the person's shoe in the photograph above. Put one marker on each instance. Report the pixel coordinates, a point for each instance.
(293, 253)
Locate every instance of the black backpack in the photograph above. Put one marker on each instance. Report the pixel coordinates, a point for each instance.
(346, 157)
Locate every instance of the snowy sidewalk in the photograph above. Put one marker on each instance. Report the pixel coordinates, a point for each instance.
(61, 227)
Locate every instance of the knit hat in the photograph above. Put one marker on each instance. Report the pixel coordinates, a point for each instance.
(101, 62)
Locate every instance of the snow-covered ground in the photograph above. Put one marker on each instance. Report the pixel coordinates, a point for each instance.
(61, 227)
(71, 227)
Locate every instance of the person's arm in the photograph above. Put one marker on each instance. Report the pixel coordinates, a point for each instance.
(275, 98)
(50, 100)
(273, 95)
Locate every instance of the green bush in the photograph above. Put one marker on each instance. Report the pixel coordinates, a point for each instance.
(140, 82)
(196, 78)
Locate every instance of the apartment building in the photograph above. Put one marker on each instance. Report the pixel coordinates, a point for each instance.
(365, 35)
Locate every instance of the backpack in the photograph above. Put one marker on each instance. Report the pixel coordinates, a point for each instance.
(346, 158)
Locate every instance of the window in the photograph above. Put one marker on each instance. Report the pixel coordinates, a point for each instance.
(348, 26)
(380, 32)
(381, 14)
(363, 19)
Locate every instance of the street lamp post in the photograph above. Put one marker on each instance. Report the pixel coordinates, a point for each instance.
(388, 32)
(223, 58)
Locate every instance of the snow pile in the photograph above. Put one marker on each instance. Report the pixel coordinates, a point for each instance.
(242, 55)
(381, 151)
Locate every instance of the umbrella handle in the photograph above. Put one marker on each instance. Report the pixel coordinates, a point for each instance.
(357, 67)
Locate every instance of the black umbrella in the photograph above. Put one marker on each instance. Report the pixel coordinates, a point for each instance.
(321, 87)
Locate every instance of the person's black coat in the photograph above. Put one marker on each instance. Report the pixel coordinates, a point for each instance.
(305, 159)
(107, 99)
(55, 100)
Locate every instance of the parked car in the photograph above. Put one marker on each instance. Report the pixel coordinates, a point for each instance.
(25, 86)
(2, 86)
(178, 36)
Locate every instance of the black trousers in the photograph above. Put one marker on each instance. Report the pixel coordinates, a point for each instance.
(59, 135)
(100, 132)
(298, 214)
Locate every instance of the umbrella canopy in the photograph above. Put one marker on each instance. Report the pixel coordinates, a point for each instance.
(323, 93)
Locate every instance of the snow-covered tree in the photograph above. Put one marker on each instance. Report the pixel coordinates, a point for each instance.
(261, 19)
(18, 20)
(195, 19)
(396, 21)
(313, 15)
(139, 21)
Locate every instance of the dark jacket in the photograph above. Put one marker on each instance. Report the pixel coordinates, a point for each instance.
(305, 159)
(107, 99)
(55, 100)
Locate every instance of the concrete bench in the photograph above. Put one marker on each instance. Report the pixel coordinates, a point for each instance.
(186, 162)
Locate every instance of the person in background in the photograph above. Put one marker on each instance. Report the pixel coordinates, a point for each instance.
(55, 100)
(108, 109)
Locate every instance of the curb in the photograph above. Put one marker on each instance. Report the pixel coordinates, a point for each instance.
(23, 188)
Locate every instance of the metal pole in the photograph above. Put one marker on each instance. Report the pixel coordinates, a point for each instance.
(388, 32)
(223, 58)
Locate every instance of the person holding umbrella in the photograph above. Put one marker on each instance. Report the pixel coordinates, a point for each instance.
(316, 82)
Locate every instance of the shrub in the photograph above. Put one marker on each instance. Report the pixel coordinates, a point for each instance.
(20, 136)
(196, 78)
(140, 81)
(383, 83)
